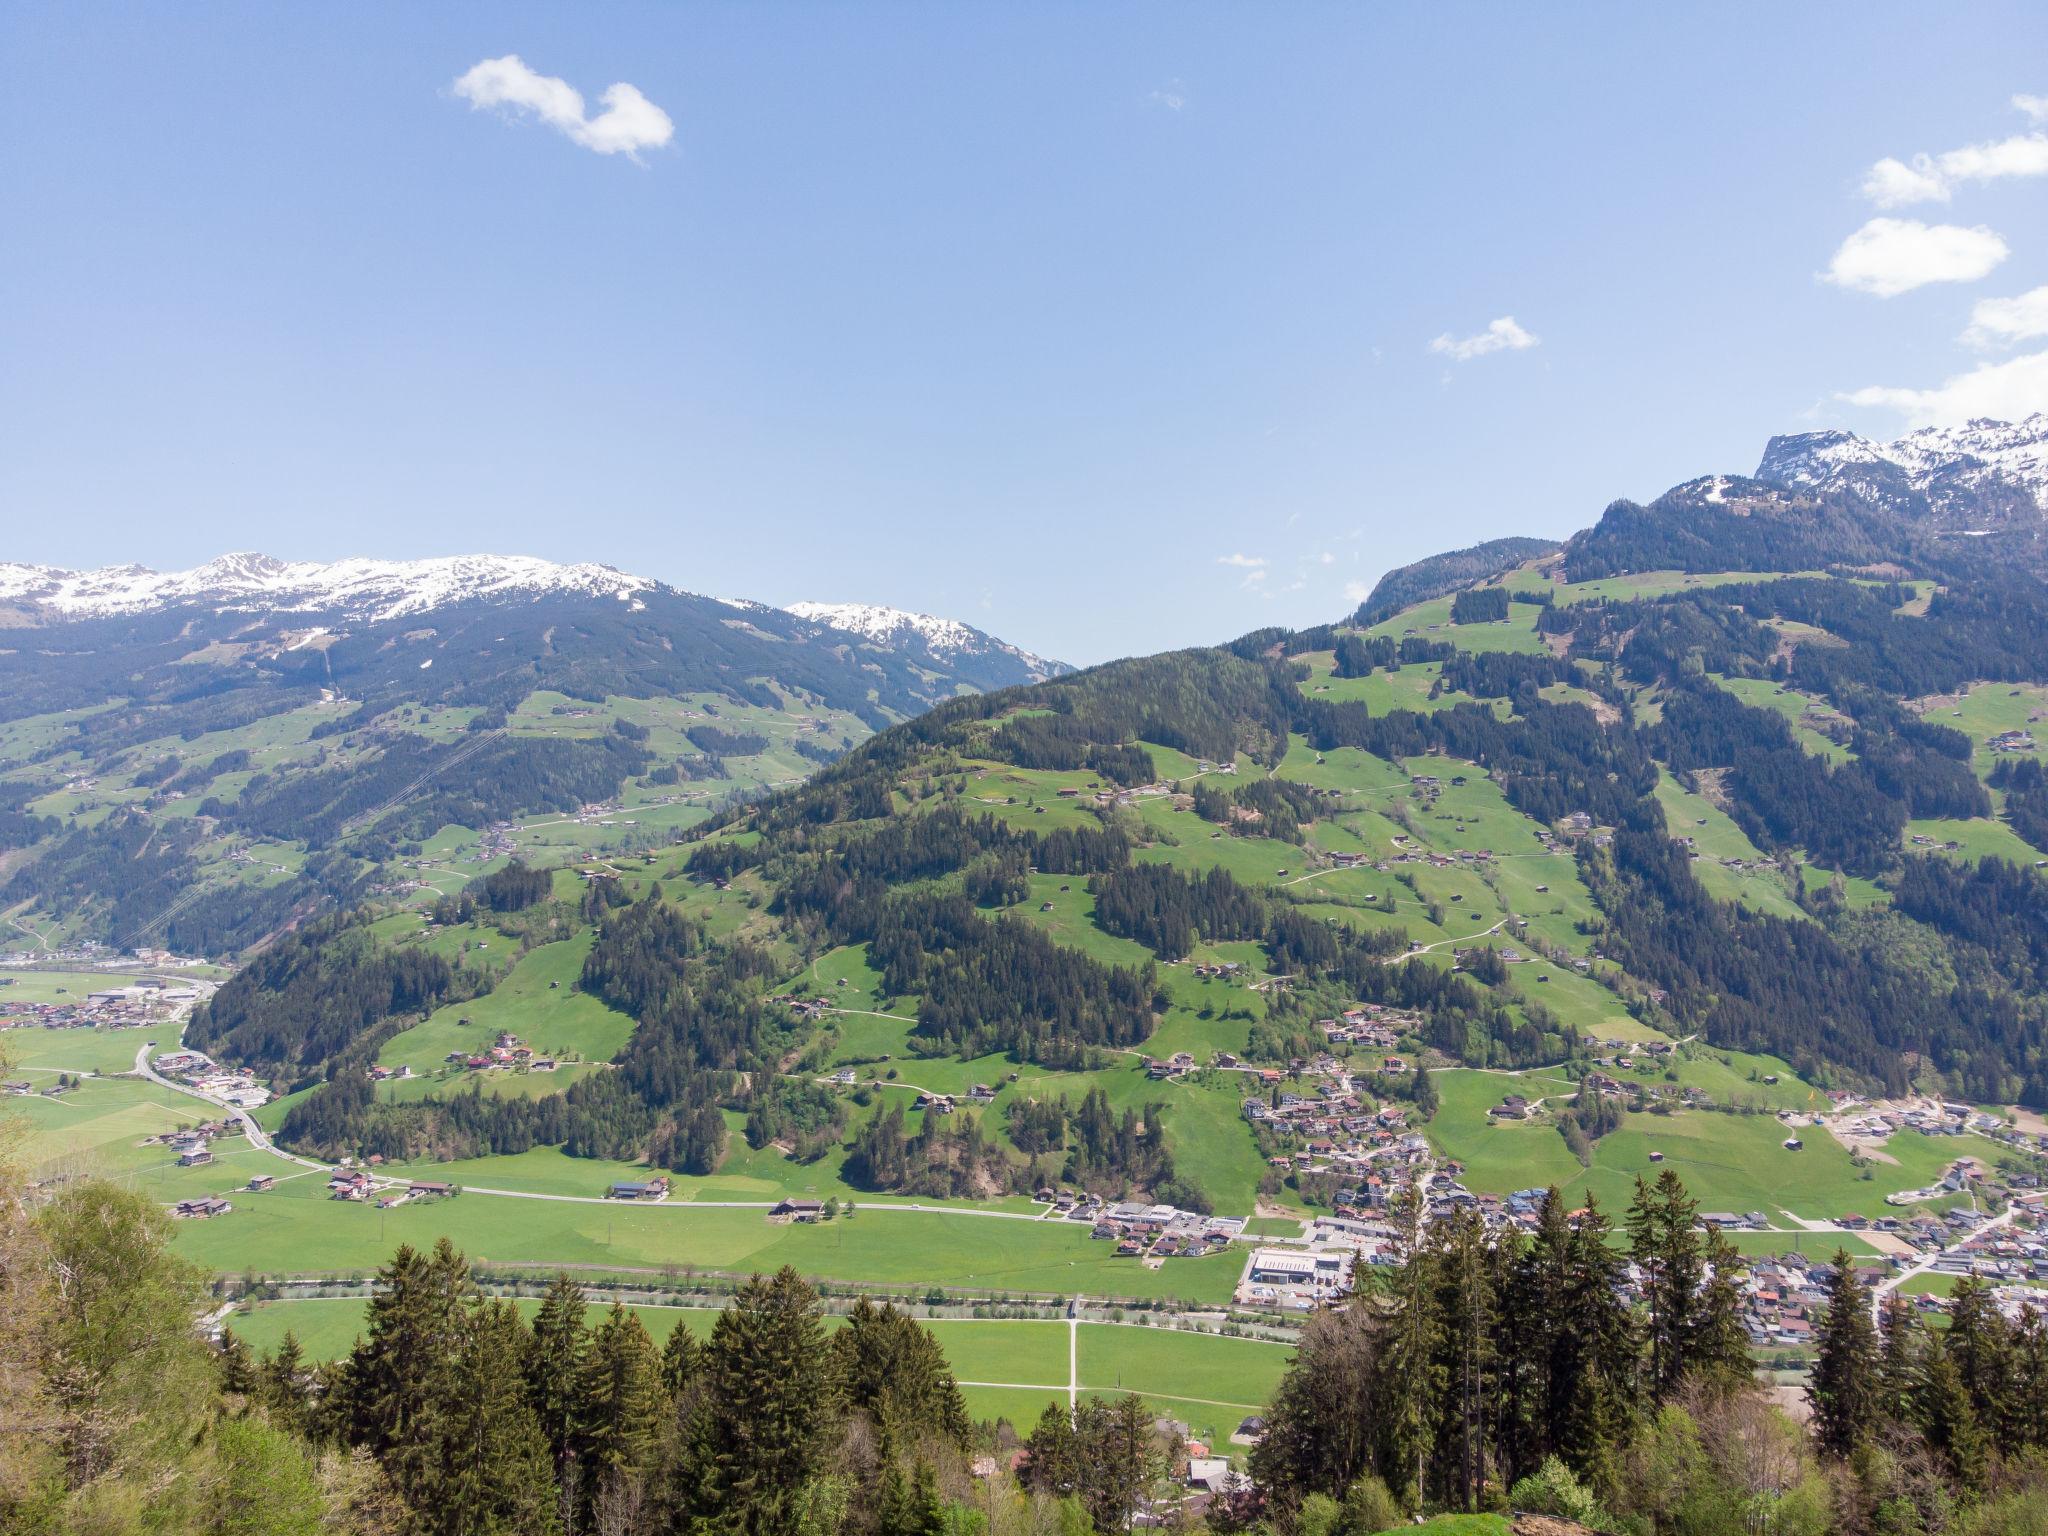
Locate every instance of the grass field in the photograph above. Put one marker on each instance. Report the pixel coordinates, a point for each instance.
(296, 1228)
(1731, 1162)
(30, 1049)
(537, 1000)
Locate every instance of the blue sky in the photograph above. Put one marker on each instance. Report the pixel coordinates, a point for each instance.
(1106, 328)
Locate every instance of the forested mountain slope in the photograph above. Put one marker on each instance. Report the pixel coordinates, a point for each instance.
(192, 760)
(1762, 830)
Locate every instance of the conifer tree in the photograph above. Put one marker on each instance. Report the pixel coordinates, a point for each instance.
(1053, 1465)
(1666, 1250)
(554, 1361)
(1466, 1305)
(1941, 1406)
(680, 1358)
(1717, 1349)
(894, 1372)
(492, 1471)
(1898, 1355)
(237, 1370)
(1980, 1345)
(398, 1378)
(1847, 1369)
(1599, 1348)
(1414, 1369)
(283, 1382)
(620, 1403)
(759, 1429)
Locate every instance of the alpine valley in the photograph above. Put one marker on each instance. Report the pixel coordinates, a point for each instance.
(585, 921)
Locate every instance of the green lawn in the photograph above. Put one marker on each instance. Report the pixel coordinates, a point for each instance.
(537, 1000)
(29, 1049)
(295, 1228)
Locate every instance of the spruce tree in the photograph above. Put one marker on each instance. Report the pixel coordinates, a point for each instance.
(554, 1361)
(1666, 1250)
(893, 1371)
(1981, 1346)
(680, 1358)
(621, 1406)
(1847, 1369)
(1466, 1304)
(1594, 1369)
(1941, 1407)
(1052, 1464)
(492, 1471)
(761, 1425)
(237, 1370)
(284, 1382)
(1414, 1366)
(397, 1379)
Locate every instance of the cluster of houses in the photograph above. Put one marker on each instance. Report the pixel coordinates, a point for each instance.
(1334, 1128)
(1144, 1231)
(2011, 741)
(146, 1000)
(192, 1145)
(1371, 1026)
(979, 1095)
(237, 1086)
(356, 1185)
(507, 1053)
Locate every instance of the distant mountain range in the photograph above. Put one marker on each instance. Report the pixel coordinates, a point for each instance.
(1980, 478)
(263, 591)
(947, 641)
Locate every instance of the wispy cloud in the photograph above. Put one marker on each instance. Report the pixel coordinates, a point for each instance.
(1503, 335)
(1243, 562)
(1173, 96)
(2007, 391)
(628, 124)
(1894, 183)
(1888, 257)
(2001, 322)
(1357, 591)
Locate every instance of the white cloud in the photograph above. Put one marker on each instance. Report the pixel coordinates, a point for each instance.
(2001, 322)
(1244, 562)
(628, 124)
(1503, 335)
(1893, 256)
(1357, 591)
(1173, 96)
(1893, 183)
(1326, 558)
(2009, 391)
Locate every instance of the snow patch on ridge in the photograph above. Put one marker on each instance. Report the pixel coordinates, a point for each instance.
(893, 628)
(360, 588)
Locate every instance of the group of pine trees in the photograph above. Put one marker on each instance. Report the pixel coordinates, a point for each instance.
(452, 1415)
(1480, 1361)
(1921, 1417)
(1488, 1375)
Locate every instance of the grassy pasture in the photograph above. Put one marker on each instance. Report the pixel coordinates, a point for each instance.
(537, 1000)
(296, 1226)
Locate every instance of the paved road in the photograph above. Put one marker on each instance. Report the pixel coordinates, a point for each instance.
(258, 1138)
(1926, 1263)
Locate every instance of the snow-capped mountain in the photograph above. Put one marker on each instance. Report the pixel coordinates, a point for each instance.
(371, 590)
(1982, 476)
(944, 640)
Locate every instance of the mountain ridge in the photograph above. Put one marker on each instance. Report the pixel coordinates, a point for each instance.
(1980, 477)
